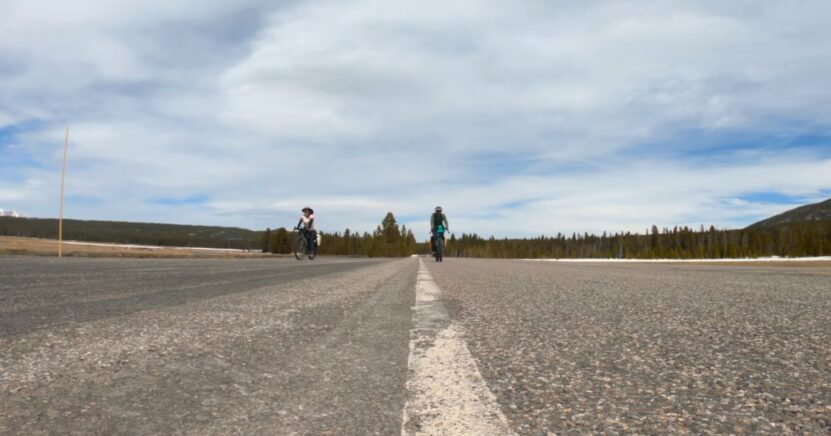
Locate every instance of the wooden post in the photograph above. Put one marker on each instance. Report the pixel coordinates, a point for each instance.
(63, 177)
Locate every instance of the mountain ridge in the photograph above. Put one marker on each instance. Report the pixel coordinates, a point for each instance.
(820, 211)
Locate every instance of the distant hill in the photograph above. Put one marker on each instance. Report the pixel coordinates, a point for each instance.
(133, 233)
(822, 212)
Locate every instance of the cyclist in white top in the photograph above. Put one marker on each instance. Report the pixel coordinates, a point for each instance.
(307, 222)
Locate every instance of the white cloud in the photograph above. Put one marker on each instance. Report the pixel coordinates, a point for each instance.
(468, 71)
(359, 107)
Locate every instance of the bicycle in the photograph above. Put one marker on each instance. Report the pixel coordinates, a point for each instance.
(301, 245)
(439, 245)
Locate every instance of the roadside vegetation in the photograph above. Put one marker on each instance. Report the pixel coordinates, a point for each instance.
(795, 239)
(49, 247)
(799, 239)
(388, 240)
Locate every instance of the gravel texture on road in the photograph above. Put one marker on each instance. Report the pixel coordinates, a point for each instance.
(39, 292)
(203, 346)
(646, 348)
(115, 346)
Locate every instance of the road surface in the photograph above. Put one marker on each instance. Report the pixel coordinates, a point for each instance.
(346, 346)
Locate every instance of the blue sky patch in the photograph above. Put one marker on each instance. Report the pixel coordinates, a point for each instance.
(500, 164)
(717, 147)
(9, 134)
(83, 200)
(772, 197)
(181, 201)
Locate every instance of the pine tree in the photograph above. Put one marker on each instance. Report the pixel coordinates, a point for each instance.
(390, 230)
(266, 242)
(280, 243)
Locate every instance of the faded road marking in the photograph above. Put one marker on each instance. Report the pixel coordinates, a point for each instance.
(446, 394)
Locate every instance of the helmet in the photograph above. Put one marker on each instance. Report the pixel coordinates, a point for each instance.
(438, 208)
(307, 208)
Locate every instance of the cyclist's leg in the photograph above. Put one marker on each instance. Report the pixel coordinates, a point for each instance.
(311, 239)
(439, 246)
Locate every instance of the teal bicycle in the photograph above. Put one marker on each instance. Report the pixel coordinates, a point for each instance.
(438, 244)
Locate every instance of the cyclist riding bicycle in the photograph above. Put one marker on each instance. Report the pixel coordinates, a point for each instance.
(438, 226)
(307, 222)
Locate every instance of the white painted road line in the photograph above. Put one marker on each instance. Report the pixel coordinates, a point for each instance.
(446, 394)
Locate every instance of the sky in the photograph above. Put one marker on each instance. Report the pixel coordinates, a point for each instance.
(519, 118)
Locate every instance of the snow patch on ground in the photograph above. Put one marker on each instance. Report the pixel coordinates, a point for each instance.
(153, 247)
(11, 213)
(744, 259)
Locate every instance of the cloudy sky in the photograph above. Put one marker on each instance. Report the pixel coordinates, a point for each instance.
(520, 118)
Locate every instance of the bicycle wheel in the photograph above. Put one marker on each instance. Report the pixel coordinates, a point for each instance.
(439, 249)
(313, 252)
(300, 247)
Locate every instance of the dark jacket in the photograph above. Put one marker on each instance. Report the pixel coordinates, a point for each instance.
(438, 219)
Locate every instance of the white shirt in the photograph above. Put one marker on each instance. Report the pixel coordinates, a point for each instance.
(308, 222)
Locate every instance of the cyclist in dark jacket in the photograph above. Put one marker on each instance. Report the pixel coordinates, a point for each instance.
(438, 226)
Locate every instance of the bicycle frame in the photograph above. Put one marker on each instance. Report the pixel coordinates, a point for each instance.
(301, 246)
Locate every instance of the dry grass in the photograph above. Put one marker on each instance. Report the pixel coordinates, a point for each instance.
(48, 247)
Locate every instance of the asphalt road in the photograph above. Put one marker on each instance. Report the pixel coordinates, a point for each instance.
(92, 346)
(105, 346)
(649, 348)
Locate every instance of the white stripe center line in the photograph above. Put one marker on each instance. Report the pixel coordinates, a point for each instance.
(446, 394)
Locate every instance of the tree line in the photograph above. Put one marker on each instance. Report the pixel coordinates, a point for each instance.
(804, 238)
(797, 239)
(387, 240)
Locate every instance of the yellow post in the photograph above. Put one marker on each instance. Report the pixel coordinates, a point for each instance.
(63, 177)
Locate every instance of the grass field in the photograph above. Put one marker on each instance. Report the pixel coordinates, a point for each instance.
(48, 247)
